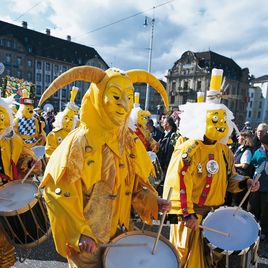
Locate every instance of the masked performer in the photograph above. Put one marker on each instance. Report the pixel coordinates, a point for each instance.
(101, 168)
(26, 125)
(15, 160)
(137, 122)
(200, 172)
(65, 122)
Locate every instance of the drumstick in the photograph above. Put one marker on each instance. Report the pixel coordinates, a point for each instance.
(213, 230)
(111, 245)
(30, 170)
(161, 223)
(247, 194)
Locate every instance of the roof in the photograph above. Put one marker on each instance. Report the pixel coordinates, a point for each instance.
(260, 79)
(44, 45)
(212, 60)
(209, 60)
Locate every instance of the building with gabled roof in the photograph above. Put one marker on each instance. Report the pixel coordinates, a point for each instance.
(41, 57)
(191, 73)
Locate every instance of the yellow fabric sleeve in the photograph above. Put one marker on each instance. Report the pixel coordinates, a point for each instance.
(66, 215)
(51, 144)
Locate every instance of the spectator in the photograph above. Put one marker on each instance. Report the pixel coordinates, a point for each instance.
(166, 145)
(258, 201)
(243, 166)
(261, 130)
(156, 133)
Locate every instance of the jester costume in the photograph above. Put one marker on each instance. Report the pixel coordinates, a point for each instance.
(201, 171)
(101, 168)
(14, 163)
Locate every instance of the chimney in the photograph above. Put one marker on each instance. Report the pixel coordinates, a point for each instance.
(69, 38)
(48, 31)
(24, 24)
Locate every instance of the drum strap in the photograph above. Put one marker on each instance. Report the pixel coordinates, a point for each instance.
(206, 189)
(145, 142)
(183, 193)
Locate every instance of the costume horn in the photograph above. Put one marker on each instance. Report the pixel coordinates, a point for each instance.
(141, 76)
(85, 73)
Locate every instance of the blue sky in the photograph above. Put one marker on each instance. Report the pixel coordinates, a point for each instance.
(235, 29)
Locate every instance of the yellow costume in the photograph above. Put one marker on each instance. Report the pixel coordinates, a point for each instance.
(65, 122)
(137, 123)
(14, 162)
(200, 172)
(101, 168)
(27, 126)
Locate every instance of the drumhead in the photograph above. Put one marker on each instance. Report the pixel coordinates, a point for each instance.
(15, 197)
(39, 151)
(141, 256)
(241, 225)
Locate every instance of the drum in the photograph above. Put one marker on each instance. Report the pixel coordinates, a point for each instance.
(23, 215)
(155, 181)
(140, 256)
(243, 230)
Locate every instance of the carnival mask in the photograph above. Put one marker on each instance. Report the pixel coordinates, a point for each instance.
(68, 119)
(118, 99)
(27, 111)
(216, 126)
(4, 120)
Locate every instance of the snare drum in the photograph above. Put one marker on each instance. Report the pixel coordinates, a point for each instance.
(23, 215)
(140, 256)
(243, 230)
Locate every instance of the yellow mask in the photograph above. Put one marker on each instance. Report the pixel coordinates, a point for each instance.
(216, 126)
(27, 111)
(142, 120)
(118, 99)
(4, 120)
(68, 119)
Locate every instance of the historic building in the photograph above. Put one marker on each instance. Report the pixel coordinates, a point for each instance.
(257, 109)
(191, 73)
(40, 58)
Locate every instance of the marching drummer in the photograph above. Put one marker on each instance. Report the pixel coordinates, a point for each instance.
(15, 161)
(200, 172)
(100, 169)
(64, 123)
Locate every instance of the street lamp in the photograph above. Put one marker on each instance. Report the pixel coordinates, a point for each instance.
(147, 98)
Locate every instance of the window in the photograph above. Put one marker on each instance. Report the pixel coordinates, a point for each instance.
(38, 78)
(8, 58)
(29, 76)
(172, 99)
(19, 61)
(64, 95)
(48, 67)
(64, 68)
(47, 78)
(198, 86)
(38, 90)
(249, 114)
(56, 68)
(29, 63)
(19, 74)
(259, 115)
(39, 65)
(260, 105)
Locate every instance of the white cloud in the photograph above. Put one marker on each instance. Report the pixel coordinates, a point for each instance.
(237, 29)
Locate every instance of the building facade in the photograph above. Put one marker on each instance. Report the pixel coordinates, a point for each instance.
(40, 58)
(257, 109)
(192, 72)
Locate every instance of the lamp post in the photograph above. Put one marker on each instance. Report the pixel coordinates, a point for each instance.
(147, 98)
